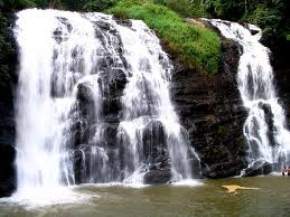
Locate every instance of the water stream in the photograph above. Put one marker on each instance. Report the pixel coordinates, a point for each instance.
(265, 127)
(93, 103)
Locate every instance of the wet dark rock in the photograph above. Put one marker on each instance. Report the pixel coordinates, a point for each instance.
(103, 25)
(252, 31)
(157, 177)
(60, 34)
(258, 168)
(210, 109)
(109, 134)
(117, 79)
(281, 65)
(7, 169)
(270, 123)
(101, 119)
(66, 23)
(86, 163)
(154, 142)
(223, 169)
(8, 82)
(123, 22)
(86, 102)
(113, 82)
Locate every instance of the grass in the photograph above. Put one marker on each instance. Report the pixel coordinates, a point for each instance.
(195, 46)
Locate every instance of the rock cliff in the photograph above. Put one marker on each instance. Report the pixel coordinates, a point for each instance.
(8, 64)
(210, 109)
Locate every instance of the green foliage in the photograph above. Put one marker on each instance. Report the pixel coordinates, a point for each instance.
(226, 9)
(266, 18)
(160, 2)
(195, 46)
(271, 15)
(7, 58)
(18, 4)
(76, 5)
(98, 5)
(186, 8)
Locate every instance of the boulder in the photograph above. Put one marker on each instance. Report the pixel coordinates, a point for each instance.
(157, 177)
(259, 167)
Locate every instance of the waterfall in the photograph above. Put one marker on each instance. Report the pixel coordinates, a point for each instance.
(265, 127)
(93, 102)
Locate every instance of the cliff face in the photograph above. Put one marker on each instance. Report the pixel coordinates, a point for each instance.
(8, 63)
(281, 64)
(210, 109)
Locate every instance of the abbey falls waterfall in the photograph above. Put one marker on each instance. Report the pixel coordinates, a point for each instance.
(142, 110)
(265, 127)
(93, 103)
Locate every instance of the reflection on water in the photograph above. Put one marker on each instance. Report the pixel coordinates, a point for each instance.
(209, 199)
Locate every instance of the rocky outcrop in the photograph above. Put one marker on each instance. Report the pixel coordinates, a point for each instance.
(102, 119)
(257, 168)
(281, 67)
(8, 63)
(156, 154)
(210, 109)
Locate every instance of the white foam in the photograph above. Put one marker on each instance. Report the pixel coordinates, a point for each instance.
(41, 197)
(116, 184)
(188, 183)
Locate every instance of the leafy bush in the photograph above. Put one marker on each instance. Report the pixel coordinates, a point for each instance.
(98, 5)
(195, 46)
(17, 4)
(266, 18)
(187, 8)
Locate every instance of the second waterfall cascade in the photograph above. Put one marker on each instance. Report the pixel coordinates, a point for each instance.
(93, 103)
(265, 128)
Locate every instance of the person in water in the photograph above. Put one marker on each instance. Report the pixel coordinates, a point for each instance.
(285, 170)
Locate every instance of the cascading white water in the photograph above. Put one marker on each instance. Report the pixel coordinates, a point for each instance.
(146, 99)
(70, 68)
(265, 127)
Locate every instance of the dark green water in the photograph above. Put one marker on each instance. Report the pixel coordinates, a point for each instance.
(209, 199)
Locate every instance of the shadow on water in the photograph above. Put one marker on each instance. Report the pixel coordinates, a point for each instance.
(209, 199)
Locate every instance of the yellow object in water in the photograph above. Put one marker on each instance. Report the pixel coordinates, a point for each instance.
(234, 188)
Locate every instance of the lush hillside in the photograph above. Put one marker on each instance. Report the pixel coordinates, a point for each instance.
(272, 15)
(195, 46)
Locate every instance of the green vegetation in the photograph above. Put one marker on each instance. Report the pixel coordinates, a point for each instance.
(186, 8)
(77, 5)
(196, 46)
(271, 15)
(7, 60)
(180, 7)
